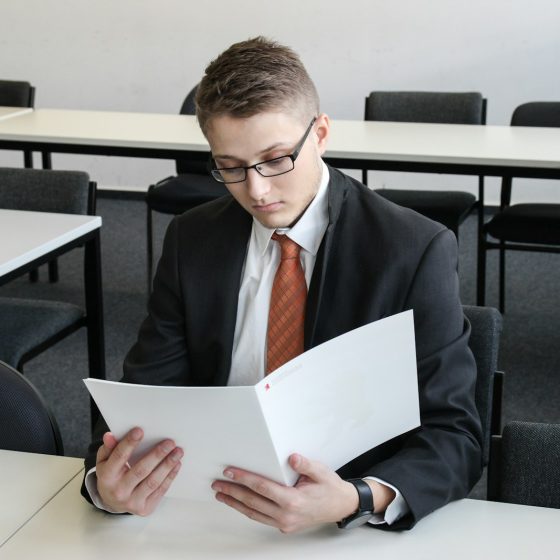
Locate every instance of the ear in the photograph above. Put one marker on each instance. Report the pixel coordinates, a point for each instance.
(322, 128)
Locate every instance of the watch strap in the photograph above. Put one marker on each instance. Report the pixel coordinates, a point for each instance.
(365, 504)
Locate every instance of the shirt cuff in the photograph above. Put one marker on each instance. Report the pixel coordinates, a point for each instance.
(90, 482)
(395, 510)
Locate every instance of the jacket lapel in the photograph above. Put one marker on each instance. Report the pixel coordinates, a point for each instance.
(337, 190)
(224, 280)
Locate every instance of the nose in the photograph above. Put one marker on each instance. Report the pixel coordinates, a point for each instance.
(257, 185)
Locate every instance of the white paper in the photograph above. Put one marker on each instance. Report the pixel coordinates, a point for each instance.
(331, 404)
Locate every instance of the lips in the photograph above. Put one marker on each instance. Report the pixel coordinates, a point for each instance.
(267, 208)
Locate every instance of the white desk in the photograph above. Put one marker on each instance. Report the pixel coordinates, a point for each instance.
(34, 234)
(9, 112)
(27, 482)
(105, 133)
(415, 147)
(36, 238)
(69, 528)
(441, 148)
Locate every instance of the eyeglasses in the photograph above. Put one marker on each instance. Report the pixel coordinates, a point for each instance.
(268, 168)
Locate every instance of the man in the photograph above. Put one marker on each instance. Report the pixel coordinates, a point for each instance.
(357, 258)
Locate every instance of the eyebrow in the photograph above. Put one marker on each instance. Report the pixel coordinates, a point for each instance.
(266, 150)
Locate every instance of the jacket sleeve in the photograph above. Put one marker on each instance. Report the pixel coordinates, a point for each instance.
(442, 460)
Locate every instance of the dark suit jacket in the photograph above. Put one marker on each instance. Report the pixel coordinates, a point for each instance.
(376, 259)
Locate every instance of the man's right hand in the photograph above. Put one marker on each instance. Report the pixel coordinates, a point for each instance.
(139, 488)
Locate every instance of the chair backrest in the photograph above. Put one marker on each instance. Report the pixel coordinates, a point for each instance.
(525, 465)
(535, 113)
(42, 190)
(16, 94)
(426, 107)
(27, 423)
(185, 165)
(484, 342)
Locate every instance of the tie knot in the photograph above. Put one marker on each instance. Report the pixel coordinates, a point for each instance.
(290, 249)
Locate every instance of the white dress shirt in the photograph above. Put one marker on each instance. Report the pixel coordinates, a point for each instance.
(248, 364)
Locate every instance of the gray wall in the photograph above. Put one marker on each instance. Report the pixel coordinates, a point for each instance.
(142, 55)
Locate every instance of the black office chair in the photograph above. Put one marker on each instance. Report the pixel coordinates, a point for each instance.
(30, 326)
(27, 423)
(450, 208)
(484, 342)
(522, 227)
(191, 187)
(525, 465)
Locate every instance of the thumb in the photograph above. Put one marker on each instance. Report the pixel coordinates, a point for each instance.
(109, 443)
(312, 469)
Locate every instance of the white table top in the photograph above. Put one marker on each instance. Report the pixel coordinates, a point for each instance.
(446, 143)
(9, 112)
(33, 234)
(537, 148)
(27, 482)
(107, 128)
(69, 528)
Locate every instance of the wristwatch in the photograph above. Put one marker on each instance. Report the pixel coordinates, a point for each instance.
(365, 505)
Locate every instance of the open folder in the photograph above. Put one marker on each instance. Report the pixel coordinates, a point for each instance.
(331, 403)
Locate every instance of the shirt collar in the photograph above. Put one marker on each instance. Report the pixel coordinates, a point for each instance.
(309, 229)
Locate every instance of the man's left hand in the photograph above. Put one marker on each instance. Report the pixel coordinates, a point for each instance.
(319, 496)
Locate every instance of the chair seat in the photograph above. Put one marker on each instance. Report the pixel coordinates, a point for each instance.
(26, 324)
(176, 195)
(527, 223)
(447, 207)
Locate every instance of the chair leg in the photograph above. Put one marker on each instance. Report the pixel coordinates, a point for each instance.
(497, 398)
(502, 279)
(34, 275)
(28, 160)
(481, 273)
(47, 160)
(150, 247)
(53, 271)
(494, 470)
(94, 315)
(481, 248)
(364, 176)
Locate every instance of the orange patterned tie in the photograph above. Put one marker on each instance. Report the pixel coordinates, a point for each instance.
(287, 306)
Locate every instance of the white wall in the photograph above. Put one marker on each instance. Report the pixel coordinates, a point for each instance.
(144, 55)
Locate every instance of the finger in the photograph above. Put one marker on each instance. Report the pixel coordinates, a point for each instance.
(250, 499)
(109, 443)
(258, 484)
(155, 497)
(144, 467)
(247, 511)
(118, 459)
(158, 475)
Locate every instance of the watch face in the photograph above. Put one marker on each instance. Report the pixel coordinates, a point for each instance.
(356, 520)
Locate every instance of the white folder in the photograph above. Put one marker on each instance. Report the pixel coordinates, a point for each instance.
(330, 404)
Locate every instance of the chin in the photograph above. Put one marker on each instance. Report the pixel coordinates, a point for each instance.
(273, 221)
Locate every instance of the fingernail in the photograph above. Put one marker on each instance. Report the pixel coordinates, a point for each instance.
(216, 487)
(177, 454)
(228, 473)
(136, 434)
(167, 447)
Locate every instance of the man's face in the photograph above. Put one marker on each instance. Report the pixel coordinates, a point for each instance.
(274, 201)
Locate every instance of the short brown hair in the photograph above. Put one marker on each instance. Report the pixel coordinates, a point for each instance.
(252, 77)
